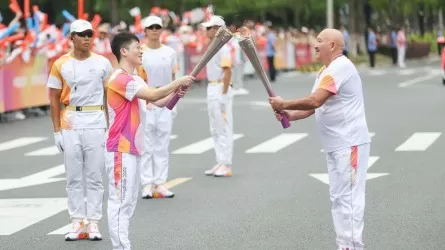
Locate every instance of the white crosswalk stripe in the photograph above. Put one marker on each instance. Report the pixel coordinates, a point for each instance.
(200, 146)
(277, 143)
(20, 142)
(419, 141)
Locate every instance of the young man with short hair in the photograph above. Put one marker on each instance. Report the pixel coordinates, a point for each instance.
(127, 94)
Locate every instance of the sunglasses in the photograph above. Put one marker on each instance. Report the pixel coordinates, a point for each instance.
(87, 33)
(154, 27)
(212, 27)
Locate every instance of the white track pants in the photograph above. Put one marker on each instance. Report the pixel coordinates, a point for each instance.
(155, 158)
(221, 124)
(124, 179)
(84, 165)
(347, 170)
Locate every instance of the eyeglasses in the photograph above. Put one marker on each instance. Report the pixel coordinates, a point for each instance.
(87, 33)
(154, 27)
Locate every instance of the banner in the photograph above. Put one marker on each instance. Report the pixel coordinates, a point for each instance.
(303, 54)
(280, 59)
(24, 85)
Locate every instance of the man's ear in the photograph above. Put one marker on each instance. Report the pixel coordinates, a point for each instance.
(123, 52)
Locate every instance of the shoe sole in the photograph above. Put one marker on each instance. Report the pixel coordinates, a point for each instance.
(148, 197)
(162, 197)
(95, 239)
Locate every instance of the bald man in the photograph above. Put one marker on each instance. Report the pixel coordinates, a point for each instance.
(338, 104)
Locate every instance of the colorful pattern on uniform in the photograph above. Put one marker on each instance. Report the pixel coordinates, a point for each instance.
(354, 164)
(125, 133)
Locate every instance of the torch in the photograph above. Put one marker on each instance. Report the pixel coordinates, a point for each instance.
(222, 36)
(248, 46)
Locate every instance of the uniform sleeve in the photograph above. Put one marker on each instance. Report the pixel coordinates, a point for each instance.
(55, 77)
(126, 86)
(226, 57)
(108, 69)
(328, 83)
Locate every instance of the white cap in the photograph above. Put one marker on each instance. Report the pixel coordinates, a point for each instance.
(152, 20)
(214, 21)
(80, 26)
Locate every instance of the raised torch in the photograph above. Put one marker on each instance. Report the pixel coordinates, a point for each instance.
(222, 36)
(249, 49)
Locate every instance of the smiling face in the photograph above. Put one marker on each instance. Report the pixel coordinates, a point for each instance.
(132, 52)
(82, 40)
(329, 43)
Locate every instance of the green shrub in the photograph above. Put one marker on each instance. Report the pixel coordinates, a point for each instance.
(428, 37)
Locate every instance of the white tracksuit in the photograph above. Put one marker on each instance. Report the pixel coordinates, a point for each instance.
(343, 130)
(82, 131)
(220, 106)
(159, 65)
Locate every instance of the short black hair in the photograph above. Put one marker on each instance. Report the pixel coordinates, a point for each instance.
(122, 40)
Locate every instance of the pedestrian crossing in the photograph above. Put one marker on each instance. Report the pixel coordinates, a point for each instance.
(19, 214)
(417, 141)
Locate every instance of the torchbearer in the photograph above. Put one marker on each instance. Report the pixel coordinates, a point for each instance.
(219, 101)
(338, 104)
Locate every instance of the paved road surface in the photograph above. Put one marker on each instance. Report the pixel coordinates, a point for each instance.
(278, 197)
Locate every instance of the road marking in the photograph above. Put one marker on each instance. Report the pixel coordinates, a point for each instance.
(419, 141)
(417, 80)
(277, 143)
(42, 177)
(406, 72)
(371, 134)
(201, 146)
(44, 152)
(371, 161)
(18, 214)
(20, 142)
(176, 182)
(52, 150)
(376, 72)
(65, 229)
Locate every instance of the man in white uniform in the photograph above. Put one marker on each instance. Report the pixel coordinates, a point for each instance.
(159, 63)
(338, 103)
(77, 82)
(219, 103)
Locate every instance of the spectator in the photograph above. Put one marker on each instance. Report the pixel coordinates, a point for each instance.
(372, 46)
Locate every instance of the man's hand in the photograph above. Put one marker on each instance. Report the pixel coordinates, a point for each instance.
(181, 92)
(58, 139)
(280, 117)
(277, 103)
(185, 81)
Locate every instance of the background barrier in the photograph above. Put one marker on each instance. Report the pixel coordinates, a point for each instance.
(23, 85)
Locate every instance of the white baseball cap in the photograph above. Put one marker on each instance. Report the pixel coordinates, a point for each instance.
(80, 26)
(152, 20)
(214, 21)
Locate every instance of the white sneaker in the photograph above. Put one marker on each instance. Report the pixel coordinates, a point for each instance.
(93, 232)
(162, 192)
(212, 171)
(78, 232)
(223, 171)
(147, 192)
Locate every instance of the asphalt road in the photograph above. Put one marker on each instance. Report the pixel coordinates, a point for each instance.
(277, 198)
